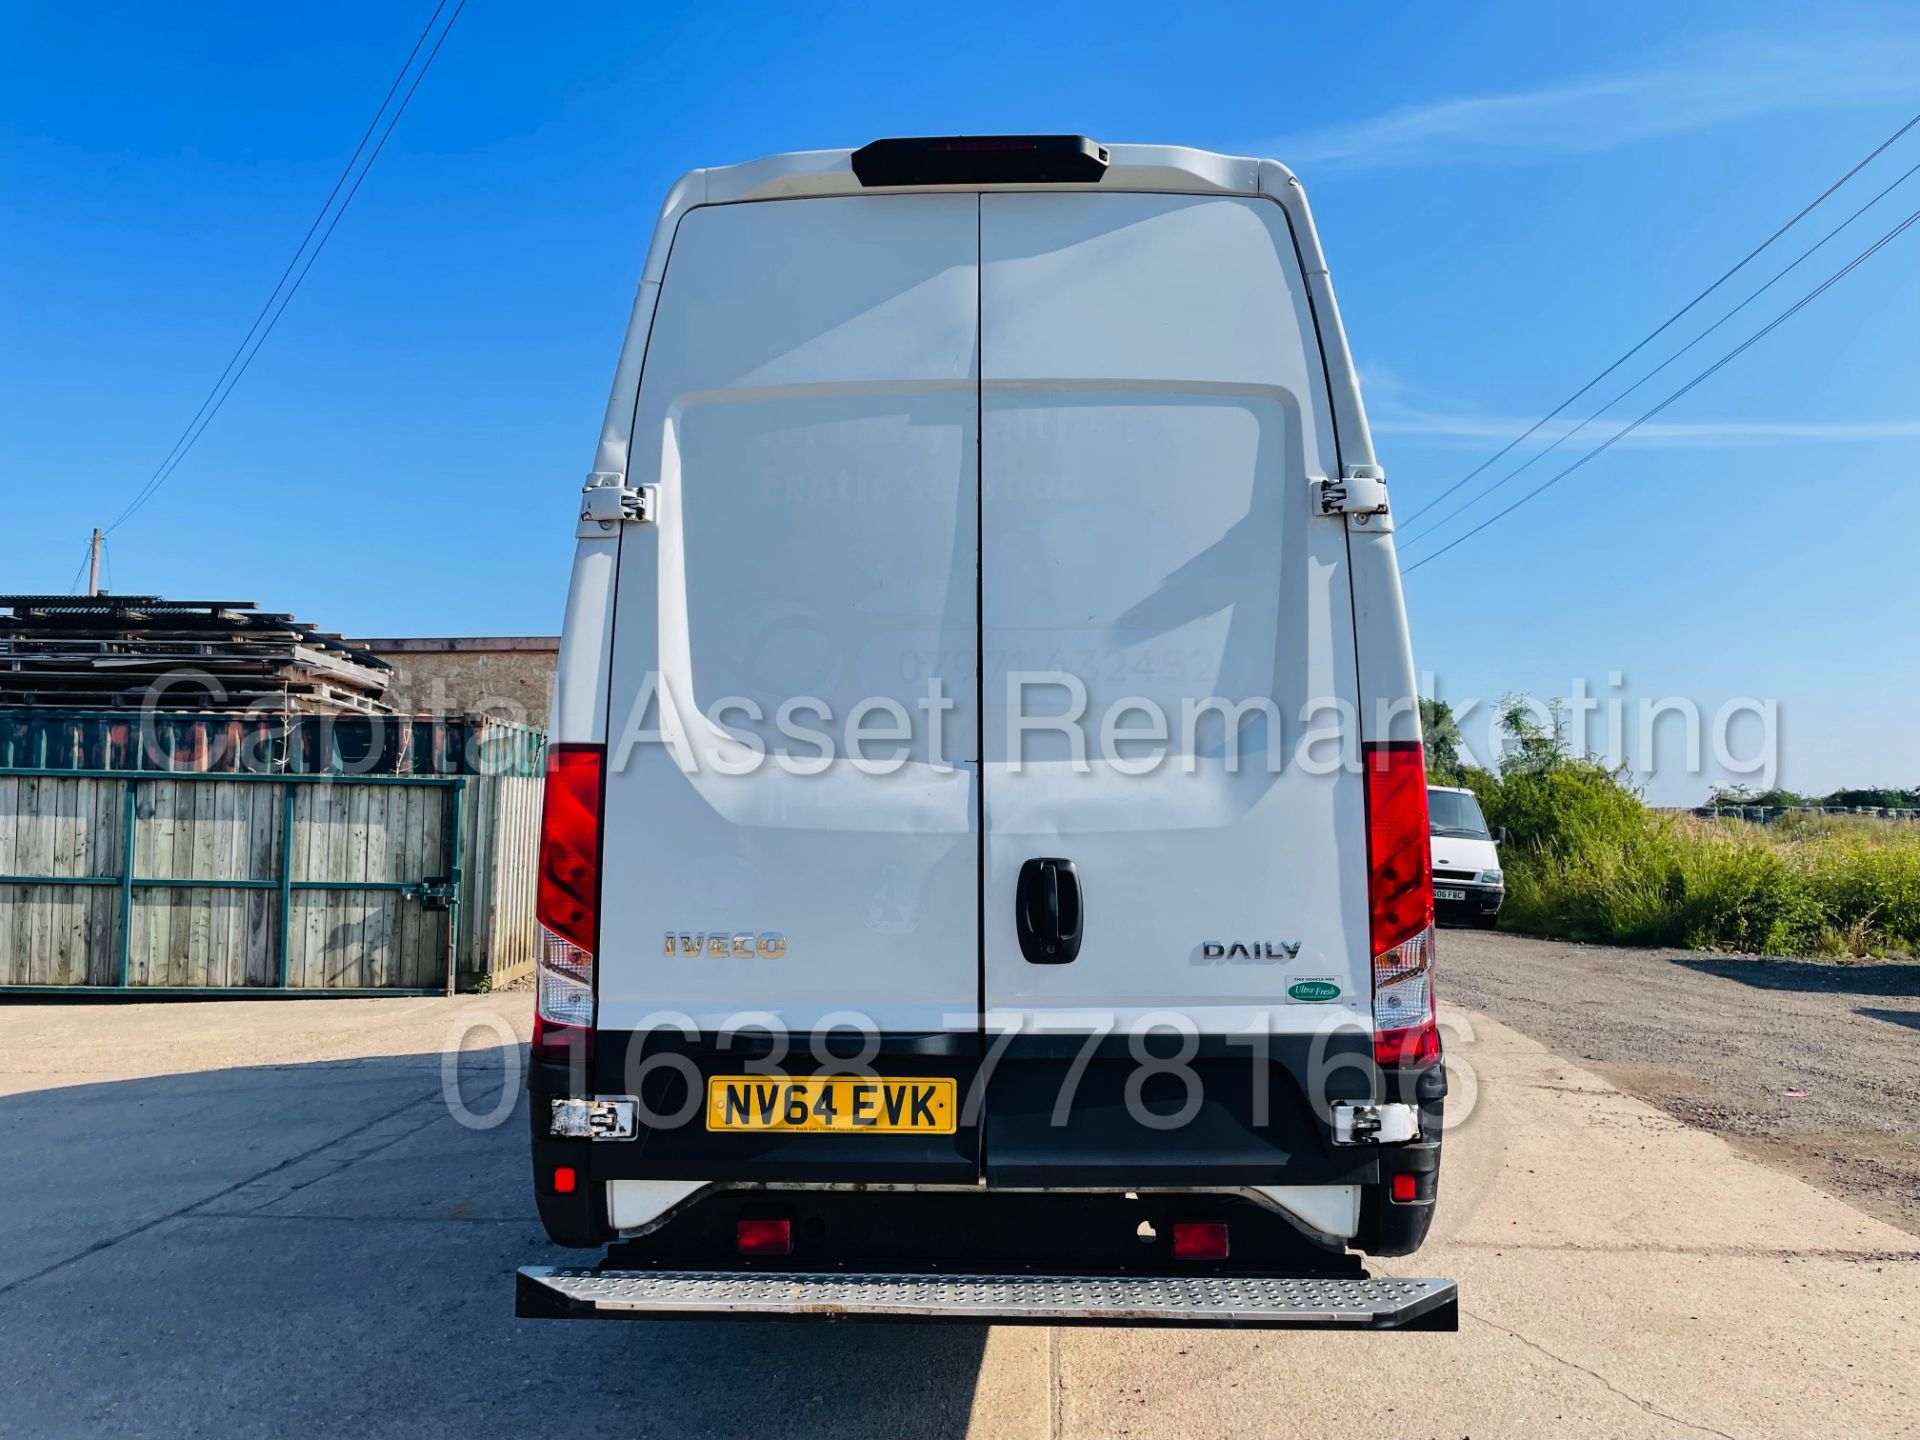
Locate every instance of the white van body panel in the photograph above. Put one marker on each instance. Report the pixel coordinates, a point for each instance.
(813, 451)
(584, 671)
(1456, 852)
(1152, 408)
(856, 868)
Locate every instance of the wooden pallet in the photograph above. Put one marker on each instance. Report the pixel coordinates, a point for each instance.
(121, 651)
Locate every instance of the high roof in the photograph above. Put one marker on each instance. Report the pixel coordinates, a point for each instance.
(802, 174)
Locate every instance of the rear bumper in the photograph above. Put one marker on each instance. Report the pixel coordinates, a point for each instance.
(976, 1255)
(1050, 1113)
(854, 1219)
(1271, 1302)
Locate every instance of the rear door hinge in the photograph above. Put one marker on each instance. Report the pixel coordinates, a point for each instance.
(606, 503)
(1361, 493)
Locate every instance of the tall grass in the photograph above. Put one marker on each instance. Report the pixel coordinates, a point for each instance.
(1587, 861)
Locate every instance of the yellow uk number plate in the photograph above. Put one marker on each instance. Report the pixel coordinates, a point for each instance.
(849, 1103)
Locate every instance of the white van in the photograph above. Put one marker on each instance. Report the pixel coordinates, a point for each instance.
(1468, 884)
(984, 871)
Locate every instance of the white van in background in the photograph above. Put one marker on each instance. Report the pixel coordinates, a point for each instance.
(1468, 884)
(985, 870)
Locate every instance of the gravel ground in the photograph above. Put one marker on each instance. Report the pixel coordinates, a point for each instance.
(1808, 1066)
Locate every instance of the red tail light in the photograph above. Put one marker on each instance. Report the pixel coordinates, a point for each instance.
(1399, 849)
(567, 901)
(763, 1237)
(568, 897)
(1400, 901)
(1200, 1241)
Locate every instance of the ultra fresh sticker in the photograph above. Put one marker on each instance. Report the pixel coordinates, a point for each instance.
(1314, 992)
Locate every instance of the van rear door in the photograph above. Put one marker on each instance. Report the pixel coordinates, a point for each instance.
(1153, 403)
(808, 413)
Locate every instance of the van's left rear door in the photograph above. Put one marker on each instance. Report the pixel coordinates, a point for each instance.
(809, 413)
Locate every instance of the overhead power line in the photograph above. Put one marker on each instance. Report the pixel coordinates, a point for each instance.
(1636, 423)
(86, 553)
(1666, 324)
(1778, 276)
(277, 301)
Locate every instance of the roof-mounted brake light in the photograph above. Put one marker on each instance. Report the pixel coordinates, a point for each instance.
(981, 160)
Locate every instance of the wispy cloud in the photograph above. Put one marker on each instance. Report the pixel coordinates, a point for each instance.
(1395, 419)
(1735, 78)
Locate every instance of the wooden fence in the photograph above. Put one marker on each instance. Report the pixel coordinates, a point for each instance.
(501, 819)
(250, 881)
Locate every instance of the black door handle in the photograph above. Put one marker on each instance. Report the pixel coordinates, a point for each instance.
(1047, 911)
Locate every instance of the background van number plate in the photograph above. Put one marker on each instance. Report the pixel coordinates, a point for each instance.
(849, 1103)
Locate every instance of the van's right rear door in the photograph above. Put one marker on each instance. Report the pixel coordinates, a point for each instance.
(1153, 403)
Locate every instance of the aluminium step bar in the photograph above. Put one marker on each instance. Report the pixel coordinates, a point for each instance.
(1271, 1302)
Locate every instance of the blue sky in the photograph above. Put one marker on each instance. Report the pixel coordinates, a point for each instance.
(1510, 195)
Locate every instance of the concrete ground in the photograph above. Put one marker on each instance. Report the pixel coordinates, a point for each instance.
(1809, 1065)
(258, 1218)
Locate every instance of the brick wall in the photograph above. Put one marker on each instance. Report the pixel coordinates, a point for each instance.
(509, 677)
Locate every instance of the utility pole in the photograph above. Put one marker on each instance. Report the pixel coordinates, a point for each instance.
(93, 564)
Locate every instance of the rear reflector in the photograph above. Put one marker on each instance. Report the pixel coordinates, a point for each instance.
(567, 901)
(981, 160)
(1200, 1242)
(1406, 1186)
(565, 1180)
(763, 1237)
(558, 1044)
(1400, 902)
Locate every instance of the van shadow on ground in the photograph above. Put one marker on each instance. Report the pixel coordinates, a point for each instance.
(321, 1249)
(1899, 978)
(1908, 1018)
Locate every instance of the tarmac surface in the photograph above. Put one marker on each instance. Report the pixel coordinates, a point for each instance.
(261, 1218)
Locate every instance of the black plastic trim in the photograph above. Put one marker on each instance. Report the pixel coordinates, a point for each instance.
(980, 160)
(1049, 911)
(577, 1220)
(1255, 1122)
(1238, 1135)
(976, 1232)
(1399, 1227)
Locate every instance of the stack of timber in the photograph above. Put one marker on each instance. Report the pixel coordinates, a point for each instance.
(105, 652)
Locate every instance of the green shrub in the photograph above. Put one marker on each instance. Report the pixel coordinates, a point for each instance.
(1586, 860)
(1865, 879)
